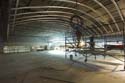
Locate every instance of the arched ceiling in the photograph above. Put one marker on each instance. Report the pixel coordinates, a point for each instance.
(51, 17)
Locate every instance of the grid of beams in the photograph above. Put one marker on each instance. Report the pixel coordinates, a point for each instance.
(98, 21)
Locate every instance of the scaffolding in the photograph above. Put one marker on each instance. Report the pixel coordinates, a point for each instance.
(71, 49)
(71, 45)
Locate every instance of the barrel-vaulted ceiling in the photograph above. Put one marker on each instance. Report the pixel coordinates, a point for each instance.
(50, 17)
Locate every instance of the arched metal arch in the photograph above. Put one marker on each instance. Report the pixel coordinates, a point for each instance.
(57, 20)
(61, 24)
(50, 12)
(82, 5)
(100, 4)
(118, 9)
(46, 20)
(92, 9)
(66, 17)
(34, 7)
(58, 13)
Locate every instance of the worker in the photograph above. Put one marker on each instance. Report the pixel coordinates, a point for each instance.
(78, 36)
(92, 43)
(76, 23)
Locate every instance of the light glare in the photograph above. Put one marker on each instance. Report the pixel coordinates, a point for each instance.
(59, 53)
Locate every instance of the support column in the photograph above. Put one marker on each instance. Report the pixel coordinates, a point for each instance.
(122, 7)
(4, 15)
(92, 43)
(124, 43)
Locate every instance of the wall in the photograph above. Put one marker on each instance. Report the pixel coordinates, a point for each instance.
(16, 49)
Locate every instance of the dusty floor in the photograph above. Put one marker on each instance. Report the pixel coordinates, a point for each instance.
(43, 67)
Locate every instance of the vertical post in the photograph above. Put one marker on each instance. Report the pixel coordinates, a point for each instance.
(105, 43)
(122, 6)
(4, 15)
(124, 42)
(15, 12)
(92, 43)
(9, 12)
(65, 47)
(86, 58)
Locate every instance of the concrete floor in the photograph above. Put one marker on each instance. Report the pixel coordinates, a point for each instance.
(47, 67)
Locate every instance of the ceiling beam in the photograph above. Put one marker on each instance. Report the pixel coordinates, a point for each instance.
(60, 7)
(57, 16)
(108, 12)
(15, 12)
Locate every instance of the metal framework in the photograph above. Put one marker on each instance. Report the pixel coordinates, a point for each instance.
(83, 5)
(61, 7)
(98, 23)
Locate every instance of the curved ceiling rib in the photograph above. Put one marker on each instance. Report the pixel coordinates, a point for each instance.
(118, 9)
(90, 8)
(72, 13)
(62, 12)
(54, 13)
(15, 12)
(66, 24)
(97, 14)
(47, 20)
(40, 16)
(51, 21)
(99, 3)
(82, 5)
(44, 19)
(49, 12)
(34, 7)
(43, 16)
(30, 26)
